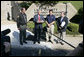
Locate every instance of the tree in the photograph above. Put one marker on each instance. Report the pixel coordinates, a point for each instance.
(26, 4)
(46, 2)
(81, 13)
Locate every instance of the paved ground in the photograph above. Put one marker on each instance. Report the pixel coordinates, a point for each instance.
(42, 49)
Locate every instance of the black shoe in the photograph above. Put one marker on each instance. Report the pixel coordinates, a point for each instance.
(25, 42)
(57, 41)
(34, 42)
(50, 41)
(39, 42)
(21, 43)
(61, 43)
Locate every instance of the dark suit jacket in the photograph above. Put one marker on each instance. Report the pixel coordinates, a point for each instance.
(38, 25)
(59, 23)
(21, 19)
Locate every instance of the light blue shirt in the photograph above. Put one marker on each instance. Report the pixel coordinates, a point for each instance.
(61, 19)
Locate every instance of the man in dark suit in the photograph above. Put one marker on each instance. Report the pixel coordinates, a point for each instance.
(21, 25)
(38, 20)
(62, 23)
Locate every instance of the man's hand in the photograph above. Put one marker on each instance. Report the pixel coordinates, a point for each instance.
(52, 23)
(40, 21)
(49, 25)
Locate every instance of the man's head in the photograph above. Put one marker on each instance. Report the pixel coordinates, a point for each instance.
(50, 12)
(63, 13)
(39, 11)
(23, 10)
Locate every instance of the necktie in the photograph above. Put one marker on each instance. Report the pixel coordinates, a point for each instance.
(39, 17)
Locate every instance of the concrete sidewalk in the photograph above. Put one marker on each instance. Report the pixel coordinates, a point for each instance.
(42, 49)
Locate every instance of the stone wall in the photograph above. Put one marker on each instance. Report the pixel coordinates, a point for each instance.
(57, 9)
(15, 9)
(5, 9)
(10, 7)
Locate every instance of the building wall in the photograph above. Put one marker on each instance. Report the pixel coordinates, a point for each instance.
(5, 8)
(15, 9)
(57, 9)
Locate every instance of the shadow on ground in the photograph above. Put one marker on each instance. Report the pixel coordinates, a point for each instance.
(38, 52)
(28, 50)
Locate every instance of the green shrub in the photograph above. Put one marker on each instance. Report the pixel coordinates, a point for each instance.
(55, 29)
(74, 27)
(30, 26)
(44, 24)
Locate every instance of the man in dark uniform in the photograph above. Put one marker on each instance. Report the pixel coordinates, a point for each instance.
(21, 24)
(38, 20)
(62, 23)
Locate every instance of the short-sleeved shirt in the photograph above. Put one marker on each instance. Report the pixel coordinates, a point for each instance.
(50, 18)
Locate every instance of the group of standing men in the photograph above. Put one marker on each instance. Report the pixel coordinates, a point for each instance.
(62, 23)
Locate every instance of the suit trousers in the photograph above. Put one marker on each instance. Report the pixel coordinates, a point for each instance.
(62, 35)
(22, 33)
(38, 33)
